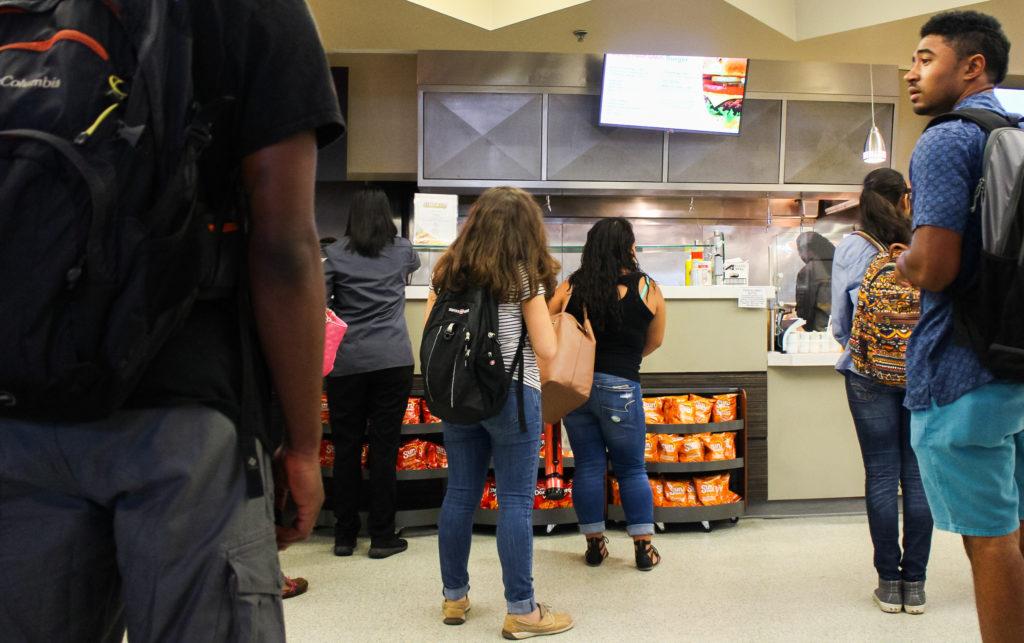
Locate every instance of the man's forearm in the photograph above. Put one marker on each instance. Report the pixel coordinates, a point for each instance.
(288, 301)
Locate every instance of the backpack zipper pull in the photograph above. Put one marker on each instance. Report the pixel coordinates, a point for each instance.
(114, 92)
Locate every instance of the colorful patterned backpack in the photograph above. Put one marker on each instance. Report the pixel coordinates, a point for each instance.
(883, 321)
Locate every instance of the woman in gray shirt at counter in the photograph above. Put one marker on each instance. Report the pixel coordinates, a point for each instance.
(366, 273)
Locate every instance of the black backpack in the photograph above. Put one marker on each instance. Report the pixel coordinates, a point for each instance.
(101, 247)
(464, 377)
(988, 309)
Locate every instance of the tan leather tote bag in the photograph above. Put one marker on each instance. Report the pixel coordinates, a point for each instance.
(567, 378)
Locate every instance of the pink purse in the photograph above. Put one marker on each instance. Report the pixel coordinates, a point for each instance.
(334, 331)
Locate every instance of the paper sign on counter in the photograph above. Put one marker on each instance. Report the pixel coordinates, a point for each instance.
(435, 217)
(753, 298)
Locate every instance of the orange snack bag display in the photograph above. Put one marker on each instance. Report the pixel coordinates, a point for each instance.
(719, 446)
(680, 493)
(412, 411)
(652, 410)
(616, 495)
(678, 409)
(441, 457)
(566, 501)
(326, 453)
(658, 492)
(426, 417)
(725, 408)
(714, 490)
(651, 441)
(668, 447)
(692, 448)
(489, 498)
(702, 408)
(325, 412)
(412, 456)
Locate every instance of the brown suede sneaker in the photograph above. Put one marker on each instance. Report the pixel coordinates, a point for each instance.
(455, 611)
(516, 628)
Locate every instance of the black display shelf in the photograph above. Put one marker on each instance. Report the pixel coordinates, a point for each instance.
(685, 514)
(694, 467)
(422, 429)
(424, 474)
(685, 429)
(564, 516)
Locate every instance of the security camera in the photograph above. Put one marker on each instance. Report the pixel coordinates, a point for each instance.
(580, 34)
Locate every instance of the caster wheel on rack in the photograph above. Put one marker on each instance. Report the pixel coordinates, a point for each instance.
(706, 526)
(734, 520)
(659, 527)
(549, 529)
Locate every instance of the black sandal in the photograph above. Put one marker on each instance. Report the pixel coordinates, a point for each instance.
(647, 557)
(596, 551)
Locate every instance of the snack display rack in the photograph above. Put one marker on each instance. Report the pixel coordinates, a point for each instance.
(428, 516)
(705, 515)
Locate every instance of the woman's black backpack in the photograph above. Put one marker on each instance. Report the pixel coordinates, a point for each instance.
(464, 377)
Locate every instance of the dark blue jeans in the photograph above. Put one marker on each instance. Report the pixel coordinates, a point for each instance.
(470, 449)
(883, 430)
(611, 424)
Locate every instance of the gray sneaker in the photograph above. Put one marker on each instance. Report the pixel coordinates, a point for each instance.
(889, 596)
(913, 597)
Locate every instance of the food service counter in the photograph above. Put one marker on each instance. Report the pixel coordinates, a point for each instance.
(811, 448)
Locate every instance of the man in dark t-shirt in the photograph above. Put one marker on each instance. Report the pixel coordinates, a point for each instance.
(145, 520)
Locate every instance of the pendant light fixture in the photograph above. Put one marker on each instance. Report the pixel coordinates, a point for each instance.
(874, 146)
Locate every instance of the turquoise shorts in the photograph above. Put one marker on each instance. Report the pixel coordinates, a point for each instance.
(971, 455)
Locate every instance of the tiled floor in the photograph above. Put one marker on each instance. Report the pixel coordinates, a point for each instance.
(798, 579)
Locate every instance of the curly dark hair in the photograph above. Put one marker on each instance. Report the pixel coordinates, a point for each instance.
(970, 33)
(607, 254)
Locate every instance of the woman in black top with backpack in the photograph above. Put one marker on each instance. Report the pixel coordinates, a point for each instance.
(627, 311)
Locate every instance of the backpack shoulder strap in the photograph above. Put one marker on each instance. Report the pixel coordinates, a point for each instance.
(871, 240)
(986, 119)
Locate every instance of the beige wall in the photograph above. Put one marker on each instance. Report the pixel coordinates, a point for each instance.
(812, 445)
(701, 336)
(381, 115)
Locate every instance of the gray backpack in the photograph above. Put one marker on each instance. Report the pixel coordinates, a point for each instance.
(989, 307)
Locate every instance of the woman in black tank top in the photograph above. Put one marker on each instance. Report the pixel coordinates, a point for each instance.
(627, 311)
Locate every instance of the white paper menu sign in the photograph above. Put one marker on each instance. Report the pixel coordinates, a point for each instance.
(753, 298)
(435, 217)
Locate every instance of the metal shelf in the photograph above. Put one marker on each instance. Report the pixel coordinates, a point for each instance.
(422, 429)
(563, 516)
(694, 467)
(683, 429)
(685, 514)
(424, 474)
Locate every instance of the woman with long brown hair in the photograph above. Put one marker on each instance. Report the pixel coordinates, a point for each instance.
(502, 248)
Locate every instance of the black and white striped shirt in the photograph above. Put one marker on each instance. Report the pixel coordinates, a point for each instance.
(510, 324)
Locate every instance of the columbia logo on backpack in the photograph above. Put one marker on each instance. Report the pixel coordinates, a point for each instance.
(988, 309)
(100, 256)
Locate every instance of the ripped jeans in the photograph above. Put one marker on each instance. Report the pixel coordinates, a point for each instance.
(611, 425)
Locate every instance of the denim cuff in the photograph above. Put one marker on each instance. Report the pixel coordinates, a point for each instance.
(643, 529)
(456, 594)
(592, 527)
(522, 607)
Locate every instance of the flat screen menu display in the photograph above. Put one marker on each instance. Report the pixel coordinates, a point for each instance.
(677, 93)
(1011, 99)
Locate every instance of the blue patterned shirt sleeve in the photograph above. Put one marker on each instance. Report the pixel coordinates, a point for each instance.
(943, 175)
